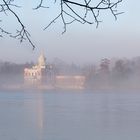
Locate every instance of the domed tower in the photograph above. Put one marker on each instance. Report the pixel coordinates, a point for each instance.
(42, 61)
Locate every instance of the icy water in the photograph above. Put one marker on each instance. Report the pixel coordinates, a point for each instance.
(70, 116)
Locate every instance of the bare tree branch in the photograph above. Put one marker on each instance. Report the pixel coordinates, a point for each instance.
(21, 34)
(40, 5)
(67, 8)
(70, 11)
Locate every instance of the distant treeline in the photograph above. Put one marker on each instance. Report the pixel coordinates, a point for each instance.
(109, 73)
(12, 73)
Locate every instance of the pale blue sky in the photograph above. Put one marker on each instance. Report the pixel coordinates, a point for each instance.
(81, 43)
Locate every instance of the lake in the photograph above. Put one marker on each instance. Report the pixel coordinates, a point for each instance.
(70, 115)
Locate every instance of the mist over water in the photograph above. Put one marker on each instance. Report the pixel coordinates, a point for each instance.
(109, 74)
(106, 107)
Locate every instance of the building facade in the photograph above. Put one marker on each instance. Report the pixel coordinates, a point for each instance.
(36, 74)
(70, 82)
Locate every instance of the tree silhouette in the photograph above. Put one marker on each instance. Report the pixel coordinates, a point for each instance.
(82, 11)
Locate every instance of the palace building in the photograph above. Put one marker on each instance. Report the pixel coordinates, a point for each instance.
(42, 75)
(37, 72)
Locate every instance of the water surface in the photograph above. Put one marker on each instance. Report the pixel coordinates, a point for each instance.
(69, 116)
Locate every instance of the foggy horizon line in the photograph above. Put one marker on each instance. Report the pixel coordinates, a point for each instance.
(57, 59)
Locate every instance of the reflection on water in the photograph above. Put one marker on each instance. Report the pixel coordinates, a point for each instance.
(69, 116)
(21, 116)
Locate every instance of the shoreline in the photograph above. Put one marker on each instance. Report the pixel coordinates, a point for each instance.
(51, 88)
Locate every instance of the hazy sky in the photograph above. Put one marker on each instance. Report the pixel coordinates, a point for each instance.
(81, 43)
